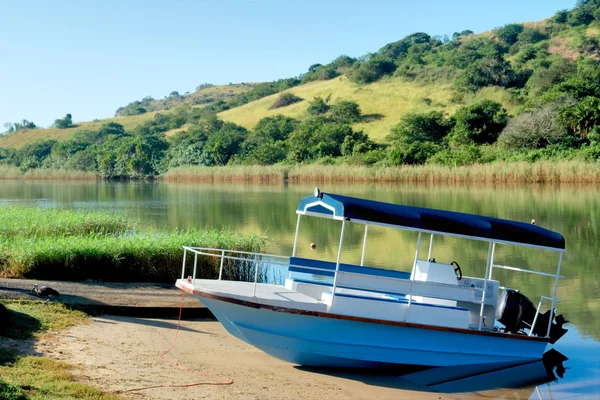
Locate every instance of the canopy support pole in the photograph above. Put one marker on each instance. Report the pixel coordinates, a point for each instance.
(490, 257)
(412, 276)
(560, 258)
(430, 247)
(362, 258)
(337, 263)
(296, 236)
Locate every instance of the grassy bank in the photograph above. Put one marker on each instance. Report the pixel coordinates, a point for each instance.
(24, 376)
(38, 222)
(498, 172)
(8, 172)
(255, 174)
(517, 172)
(67, 245)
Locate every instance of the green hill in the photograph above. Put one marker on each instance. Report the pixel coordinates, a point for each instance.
(521, 92)
(382, 103)
(205, 94)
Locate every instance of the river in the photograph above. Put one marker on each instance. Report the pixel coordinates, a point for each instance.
(573, 211)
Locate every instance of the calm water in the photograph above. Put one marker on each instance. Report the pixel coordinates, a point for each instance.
(269, 211)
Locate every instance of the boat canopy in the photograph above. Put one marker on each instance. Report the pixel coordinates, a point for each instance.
(429, 220)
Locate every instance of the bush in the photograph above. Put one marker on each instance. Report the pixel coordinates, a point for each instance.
(487, 72)
(533, 130)
(285, 99)
(509, 33)
(414, 127)
(466, 155)
(63, 123)
(531, 35)
(345, 112)
(414, 153)
(318, 106)
(480, 123)
(372, 70)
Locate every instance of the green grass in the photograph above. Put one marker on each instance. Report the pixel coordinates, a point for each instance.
(39, 222)
(76, 245)
(382, 103)
(40, 378)
(25, 319)
(28, 377)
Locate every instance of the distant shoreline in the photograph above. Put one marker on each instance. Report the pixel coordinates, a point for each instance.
(574, 172)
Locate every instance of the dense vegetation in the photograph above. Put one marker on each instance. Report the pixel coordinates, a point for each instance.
(550, 70)
(67, 245)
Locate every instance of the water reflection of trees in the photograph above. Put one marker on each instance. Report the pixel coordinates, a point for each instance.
(573, 211)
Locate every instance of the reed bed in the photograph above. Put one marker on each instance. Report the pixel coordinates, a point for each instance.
(7, 172)
(40, 222)
(155, 257)
(499, 172)
(72, 245)
(238, 173)
(521, 172)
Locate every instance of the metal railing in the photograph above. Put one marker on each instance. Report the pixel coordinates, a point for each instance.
(252, 258)
(552, 299)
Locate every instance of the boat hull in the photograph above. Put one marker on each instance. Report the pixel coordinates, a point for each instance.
(321, 341)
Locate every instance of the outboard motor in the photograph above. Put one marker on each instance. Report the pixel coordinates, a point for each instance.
(516, 312)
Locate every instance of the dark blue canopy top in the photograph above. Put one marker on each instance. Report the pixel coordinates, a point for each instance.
(450, 222)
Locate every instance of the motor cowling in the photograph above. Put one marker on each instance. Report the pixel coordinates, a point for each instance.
(516, 312)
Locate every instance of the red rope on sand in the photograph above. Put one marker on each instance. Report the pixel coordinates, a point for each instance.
(223, 380)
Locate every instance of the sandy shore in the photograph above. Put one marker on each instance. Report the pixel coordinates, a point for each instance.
(121, 353)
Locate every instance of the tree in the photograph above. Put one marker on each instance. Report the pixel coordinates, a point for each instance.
(372, 70)
(224, 143)
(275, 128)
(415, 127)
(487, 72)
(318, 106)
(314, 67)
(509, 33)
(345, 111)
(63, 123)
(19, 126)
(460, 35)
(533, 130)
(582, 117)
(531, 35)
(480, 123)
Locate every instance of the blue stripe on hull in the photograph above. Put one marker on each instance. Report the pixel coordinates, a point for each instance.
(327, 342)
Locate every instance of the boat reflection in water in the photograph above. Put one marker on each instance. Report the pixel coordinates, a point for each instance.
(503, 380)
(510, 381)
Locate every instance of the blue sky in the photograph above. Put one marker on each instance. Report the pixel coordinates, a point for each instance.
(88, 58)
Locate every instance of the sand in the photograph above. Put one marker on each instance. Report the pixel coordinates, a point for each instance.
(122, 353)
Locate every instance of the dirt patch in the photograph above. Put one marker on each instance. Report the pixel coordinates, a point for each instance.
(121, 353)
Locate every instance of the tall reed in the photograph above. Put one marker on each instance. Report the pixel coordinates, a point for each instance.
(245, 173)
(8, 172)
(75, 245)
(39, 222)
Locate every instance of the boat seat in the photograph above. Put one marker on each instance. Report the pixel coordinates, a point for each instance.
(327, 268)
(315, 289)
(393, 308)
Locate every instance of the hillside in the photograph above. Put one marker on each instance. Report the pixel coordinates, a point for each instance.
(204, 95)
(520, 92)
(382, 103)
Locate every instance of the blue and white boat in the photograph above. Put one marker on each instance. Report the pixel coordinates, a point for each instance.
(331, 314)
